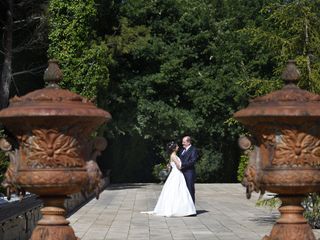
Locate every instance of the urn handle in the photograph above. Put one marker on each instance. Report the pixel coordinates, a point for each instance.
(10, 176)
(252, 174)
(95, 181)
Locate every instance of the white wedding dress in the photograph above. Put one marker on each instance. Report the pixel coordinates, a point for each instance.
(175, 199)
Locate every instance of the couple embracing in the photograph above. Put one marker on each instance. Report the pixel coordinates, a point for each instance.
(177, 197)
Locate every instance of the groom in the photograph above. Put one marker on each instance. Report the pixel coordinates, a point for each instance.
(188, 158)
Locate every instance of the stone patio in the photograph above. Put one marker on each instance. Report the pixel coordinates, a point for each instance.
(223, 214)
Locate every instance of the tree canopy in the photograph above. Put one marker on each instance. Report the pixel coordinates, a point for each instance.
(73, 41)
(177, 70)
(169, 68)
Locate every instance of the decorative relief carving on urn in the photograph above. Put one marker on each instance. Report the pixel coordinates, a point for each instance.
(289, 145)
(297, 149)
(47, 148)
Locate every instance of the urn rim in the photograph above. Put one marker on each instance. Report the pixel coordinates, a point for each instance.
(52, 101)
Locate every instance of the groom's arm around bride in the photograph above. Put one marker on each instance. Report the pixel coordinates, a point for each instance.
(189, 158)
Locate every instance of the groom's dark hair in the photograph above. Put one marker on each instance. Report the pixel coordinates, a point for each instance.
(171, 146)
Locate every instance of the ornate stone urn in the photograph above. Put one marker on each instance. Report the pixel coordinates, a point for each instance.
(51, 151)
(285, 128)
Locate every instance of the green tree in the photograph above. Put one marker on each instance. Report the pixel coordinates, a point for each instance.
(4, 162)
(290, 30)
(285, 30)
(74, 42)
(177, 67)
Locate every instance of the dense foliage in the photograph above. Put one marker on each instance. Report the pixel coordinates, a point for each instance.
(311, 204)
(166, 68)
(175, 75)
(244, 159)
(312, 209)
(73, 41)
(4, 162)
(290, 30)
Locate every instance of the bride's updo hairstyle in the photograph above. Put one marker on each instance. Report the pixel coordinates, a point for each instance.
(171, 146)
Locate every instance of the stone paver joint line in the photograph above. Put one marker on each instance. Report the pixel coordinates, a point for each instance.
(223, 214)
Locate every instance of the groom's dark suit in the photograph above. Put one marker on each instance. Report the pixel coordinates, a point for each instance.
(188, 159)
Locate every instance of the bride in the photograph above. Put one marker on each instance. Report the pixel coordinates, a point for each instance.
(175, 199)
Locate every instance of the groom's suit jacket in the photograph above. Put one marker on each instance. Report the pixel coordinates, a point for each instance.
(188, 159)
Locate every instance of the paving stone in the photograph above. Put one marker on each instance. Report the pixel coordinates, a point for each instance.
(223, 213)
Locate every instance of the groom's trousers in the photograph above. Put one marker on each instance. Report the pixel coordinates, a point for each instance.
(190, 176)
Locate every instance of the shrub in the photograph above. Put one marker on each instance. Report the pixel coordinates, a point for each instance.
(312, 209)
(272, 202)
(208, 166)
(4, 162)
(244, 159)
(311, 205)
(160, 172)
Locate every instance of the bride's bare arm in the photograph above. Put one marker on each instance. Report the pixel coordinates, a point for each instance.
(176, 160)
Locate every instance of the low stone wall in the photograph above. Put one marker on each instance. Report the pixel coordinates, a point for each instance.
(18, 219)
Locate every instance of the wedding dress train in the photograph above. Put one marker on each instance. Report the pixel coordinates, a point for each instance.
(175, 199)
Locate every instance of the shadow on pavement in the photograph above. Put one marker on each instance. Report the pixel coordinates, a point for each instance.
(201, 212)
(266, 220)
(121, 186)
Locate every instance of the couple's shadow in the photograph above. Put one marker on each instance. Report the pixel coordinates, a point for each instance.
(198, 213)
(201, 212)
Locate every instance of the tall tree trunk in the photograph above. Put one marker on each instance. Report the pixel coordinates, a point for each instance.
(6, 75)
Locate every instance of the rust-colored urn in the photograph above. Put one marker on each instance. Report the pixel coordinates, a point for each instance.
(285, 156)
(51, 150)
